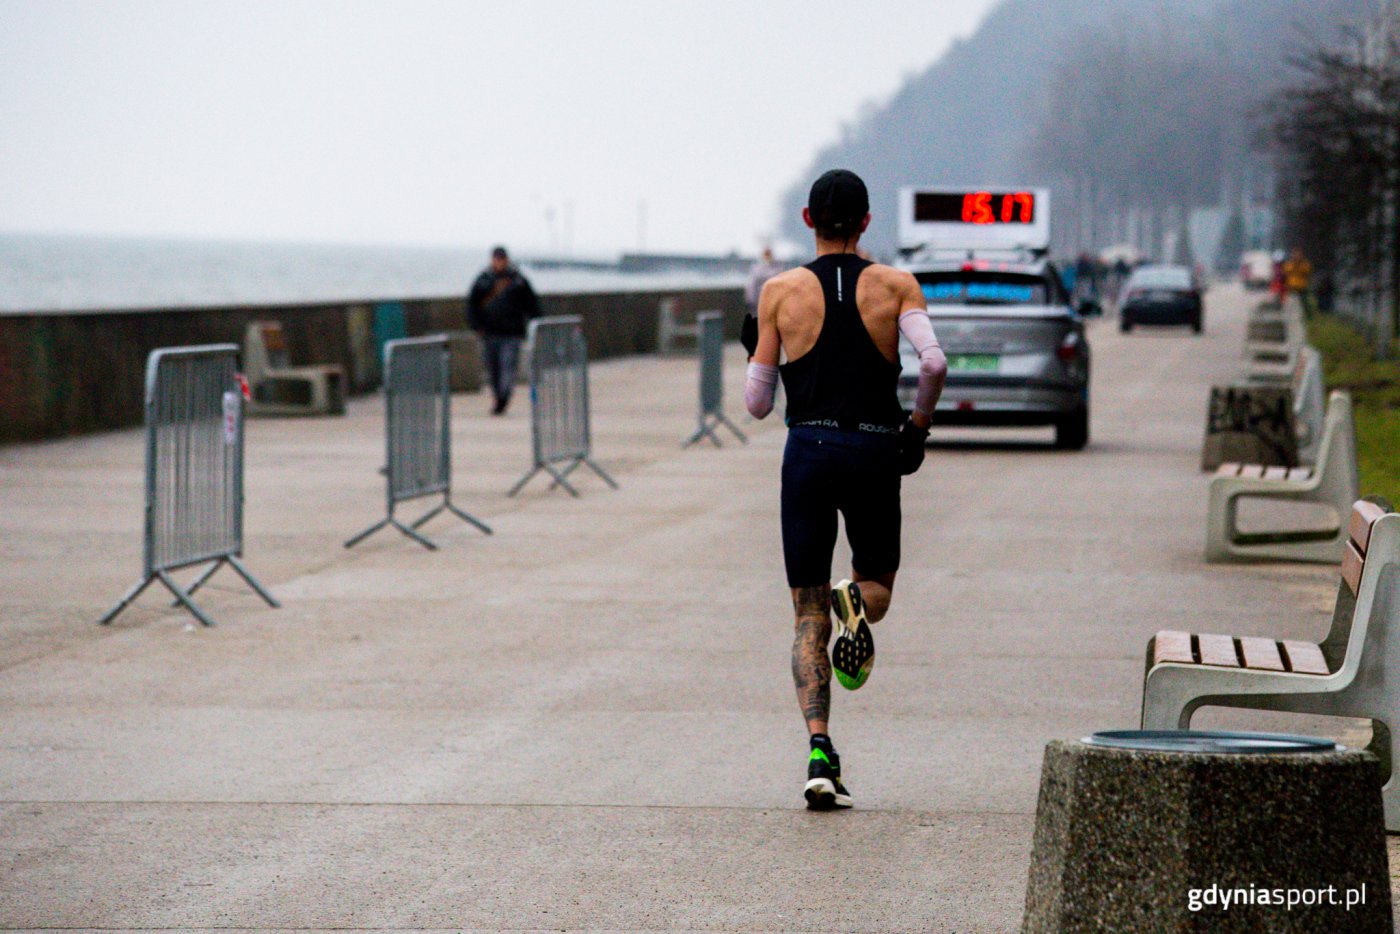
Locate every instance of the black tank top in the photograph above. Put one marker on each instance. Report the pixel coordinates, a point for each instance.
(843, 381)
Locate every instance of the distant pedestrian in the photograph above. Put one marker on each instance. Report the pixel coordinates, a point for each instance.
(1086, 275)
(1297, 278)
(500, 304)
(1121, 271)
(763, 270)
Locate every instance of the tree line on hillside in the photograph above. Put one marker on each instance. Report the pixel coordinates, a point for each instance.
(1142, 128)
(1134, 113)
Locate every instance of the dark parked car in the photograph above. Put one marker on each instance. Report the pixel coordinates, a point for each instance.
(1161, 295)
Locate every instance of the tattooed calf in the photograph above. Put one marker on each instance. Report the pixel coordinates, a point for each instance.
(811, 666)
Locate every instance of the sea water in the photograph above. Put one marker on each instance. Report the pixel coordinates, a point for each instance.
(50, 273)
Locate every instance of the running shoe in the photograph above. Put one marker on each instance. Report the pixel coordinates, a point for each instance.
(853, 654)
(824, 791)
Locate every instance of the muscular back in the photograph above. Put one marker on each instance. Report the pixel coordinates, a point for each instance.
(792, 309)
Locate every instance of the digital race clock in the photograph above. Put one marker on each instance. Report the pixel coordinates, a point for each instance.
(975, 207)
(967, 218)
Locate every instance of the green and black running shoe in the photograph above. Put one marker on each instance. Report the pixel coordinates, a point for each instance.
(853, 654)
(824, 791)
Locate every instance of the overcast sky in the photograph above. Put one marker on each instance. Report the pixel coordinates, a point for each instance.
(439, 123)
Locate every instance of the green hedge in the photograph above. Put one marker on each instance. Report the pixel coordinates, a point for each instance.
(1349, 363)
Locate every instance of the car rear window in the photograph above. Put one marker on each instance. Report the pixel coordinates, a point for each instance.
(1161, 279)
(983, 288)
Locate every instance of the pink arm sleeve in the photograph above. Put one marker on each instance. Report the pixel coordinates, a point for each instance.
(933, 366)
(759, 389)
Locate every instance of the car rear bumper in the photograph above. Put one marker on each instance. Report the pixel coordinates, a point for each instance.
(983, 402)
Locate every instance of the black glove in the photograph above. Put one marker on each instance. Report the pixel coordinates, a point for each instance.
(748, 334)
(911, 447)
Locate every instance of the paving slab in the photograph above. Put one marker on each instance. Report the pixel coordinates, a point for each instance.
(586, 720)
(398, 866)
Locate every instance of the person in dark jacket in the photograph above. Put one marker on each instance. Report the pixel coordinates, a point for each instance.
(499, 305)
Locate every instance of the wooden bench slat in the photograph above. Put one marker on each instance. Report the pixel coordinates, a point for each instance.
(1218, 650)
(1363, 517)
(1304, 658)
(1300, 473)
(1276, 473)
(1173, 646)
(1252, 471)
(1352, 565)
(1262, 654)
(1229, 469)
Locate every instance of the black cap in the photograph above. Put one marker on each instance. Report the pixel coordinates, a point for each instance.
(838, 201)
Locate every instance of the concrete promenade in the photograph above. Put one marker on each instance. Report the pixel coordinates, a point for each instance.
(587, 720)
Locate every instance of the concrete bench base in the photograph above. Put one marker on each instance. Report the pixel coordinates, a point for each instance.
(1124, 838)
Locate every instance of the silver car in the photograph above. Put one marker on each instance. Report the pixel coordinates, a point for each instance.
(1017, 353)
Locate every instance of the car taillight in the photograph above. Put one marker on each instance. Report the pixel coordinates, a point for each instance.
(1068, 351)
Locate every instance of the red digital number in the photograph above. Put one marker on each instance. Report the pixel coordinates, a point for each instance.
(977, 208)
(982, 207)
(1027, 202)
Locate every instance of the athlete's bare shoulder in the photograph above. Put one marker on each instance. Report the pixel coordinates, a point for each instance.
(787, 284)
(789, 279)
(889, 289)
(891, 277)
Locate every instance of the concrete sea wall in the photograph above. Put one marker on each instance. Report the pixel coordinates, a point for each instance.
(64, 373)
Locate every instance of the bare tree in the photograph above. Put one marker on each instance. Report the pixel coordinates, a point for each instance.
(1337, 133)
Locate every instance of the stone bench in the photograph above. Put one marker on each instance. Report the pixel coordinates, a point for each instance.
(1353, 672)
(1272, 342)
(278, 388)
(1309, 404)
(1334, 482)
(671, 334)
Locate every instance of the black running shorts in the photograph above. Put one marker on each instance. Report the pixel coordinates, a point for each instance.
(856, 473)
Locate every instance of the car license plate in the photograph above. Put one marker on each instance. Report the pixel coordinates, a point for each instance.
(976, 362)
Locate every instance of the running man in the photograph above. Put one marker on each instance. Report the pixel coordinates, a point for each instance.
(838, 321)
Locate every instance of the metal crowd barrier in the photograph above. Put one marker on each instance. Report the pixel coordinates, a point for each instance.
(559, 418)
(711, 347)
(417, 433)
(194, 471)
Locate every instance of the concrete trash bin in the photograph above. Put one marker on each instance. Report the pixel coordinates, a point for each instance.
(1250, 425)
(1192, 831)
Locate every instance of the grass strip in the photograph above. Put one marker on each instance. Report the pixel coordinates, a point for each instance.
(1348, 362)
